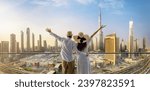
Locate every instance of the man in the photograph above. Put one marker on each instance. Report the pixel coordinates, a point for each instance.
(68, 64)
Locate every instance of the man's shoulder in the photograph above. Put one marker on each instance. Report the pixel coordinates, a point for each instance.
(73, 42)
(70, 40)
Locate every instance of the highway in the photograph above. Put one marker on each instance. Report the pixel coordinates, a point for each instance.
(142, 67)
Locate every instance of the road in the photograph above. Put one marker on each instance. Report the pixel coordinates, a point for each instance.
(142, 67)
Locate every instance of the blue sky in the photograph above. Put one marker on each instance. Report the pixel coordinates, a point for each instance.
(74, 15)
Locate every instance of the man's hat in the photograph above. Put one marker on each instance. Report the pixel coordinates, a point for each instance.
(69, 33)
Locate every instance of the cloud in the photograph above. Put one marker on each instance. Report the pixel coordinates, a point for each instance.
(115, 5)
(50, 2)
(40, 2)
(60, 2)
(85, 2)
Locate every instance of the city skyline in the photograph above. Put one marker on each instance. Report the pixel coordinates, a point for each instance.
(74, 15)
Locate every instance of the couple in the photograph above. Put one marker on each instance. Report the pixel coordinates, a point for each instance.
(80, 47)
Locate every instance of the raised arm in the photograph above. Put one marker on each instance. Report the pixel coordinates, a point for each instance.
(97, 31)
(95, 34)
(54, 35)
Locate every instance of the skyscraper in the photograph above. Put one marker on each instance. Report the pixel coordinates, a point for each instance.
(130, 45)
(100, 43)
(4, 49)
(92, 45)
(117, 44)
(17, 47)
(45, 45)
(40, 42)
(28, 39)
(96, 44)
(13, 43)
(5, 46)
(111, 46)
(33, 42)
(135, 45)
(121, 47)
(144, 44)
(38, 45)
(22, 41)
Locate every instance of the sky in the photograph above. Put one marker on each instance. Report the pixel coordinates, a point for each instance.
(74, 15)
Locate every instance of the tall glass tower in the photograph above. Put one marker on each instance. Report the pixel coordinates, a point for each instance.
(130, 46)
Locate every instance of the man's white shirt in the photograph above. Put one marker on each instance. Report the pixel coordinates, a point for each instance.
(67, 47)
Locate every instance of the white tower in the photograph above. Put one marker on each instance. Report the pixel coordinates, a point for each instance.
(33, 42)
(130, 46)
(100, 43)
(22, 41)
(28, 39)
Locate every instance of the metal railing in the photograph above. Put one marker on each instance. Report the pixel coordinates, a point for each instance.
(74, 53)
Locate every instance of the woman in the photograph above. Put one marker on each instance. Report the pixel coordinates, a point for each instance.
(83, 62)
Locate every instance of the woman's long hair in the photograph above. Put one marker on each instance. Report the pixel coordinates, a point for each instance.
(82, 45)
